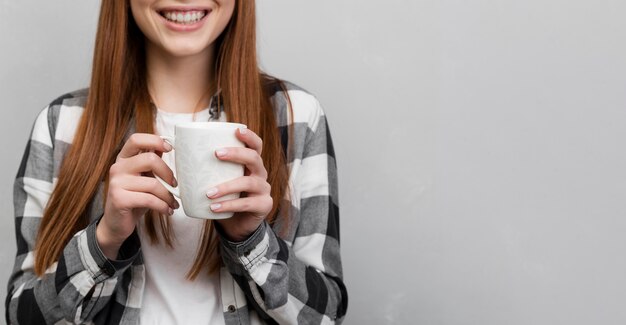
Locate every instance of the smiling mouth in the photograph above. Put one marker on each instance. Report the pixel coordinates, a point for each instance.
(184, 17)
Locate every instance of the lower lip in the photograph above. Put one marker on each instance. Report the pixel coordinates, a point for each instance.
(186, 27)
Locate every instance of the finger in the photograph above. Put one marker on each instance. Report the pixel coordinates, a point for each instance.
(251, 139)
(245, 156)
(147, 185)
(254, 186)
(148, 162)
(257, 205)
(123, 199)
(141, 142)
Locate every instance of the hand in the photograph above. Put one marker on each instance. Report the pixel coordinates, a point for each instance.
(255, 203)
(131, 193)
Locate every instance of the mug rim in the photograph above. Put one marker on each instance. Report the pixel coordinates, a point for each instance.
(203, 125)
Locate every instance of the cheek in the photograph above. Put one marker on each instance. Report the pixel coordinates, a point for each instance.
(227, 8)
(141, 12)
(136, 8)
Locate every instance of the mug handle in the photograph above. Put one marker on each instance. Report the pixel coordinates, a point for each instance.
(174, 190)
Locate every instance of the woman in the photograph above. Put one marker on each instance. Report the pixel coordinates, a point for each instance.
(99, 240)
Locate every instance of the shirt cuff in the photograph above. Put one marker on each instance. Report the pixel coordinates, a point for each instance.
(98, 264)
(247, 253)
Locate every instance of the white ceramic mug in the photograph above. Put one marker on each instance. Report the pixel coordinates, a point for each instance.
(197, 167)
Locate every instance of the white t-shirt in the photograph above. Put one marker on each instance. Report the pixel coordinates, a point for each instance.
(169, 297)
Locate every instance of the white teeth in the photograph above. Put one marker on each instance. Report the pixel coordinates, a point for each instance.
(180, 17)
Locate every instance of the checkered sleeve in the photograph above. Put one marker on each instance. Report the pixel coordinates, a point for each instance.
(299, 282)
(81, 282)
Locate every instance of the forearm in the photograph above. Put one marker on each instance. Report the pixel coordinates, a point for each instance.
(75, 288)
(292, 290)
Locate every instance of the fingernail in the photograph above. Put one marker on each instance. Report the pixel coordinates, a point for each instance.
(211, 192)
(215, 206)
(176, 204)
(175, 182)
(167, 146)
(243, 131)
(171, 212)
(220, 152)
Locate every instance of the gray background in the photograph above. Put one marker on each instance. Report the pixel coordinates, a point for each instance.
(480, 145)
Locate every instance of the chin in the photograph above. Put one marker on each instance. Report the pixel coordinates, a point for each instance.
(183, 50)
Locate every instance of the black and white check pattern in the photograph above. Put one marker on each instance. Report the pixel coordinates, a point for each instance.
(287, 279)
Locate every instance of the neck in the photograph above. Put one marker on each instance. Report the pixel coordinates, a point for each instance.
(180, 84)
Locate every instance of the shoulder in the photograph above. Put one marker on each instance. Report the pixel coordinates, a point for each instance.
(72, 102)
(59, 119)
(73, 98)
(305, 107)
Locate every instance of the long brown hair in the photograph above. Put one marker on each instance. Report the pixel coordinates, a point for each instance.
(119, 94)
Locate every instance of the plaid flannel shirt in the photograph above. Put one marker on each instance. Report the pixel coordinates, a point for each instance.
(292, 278)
